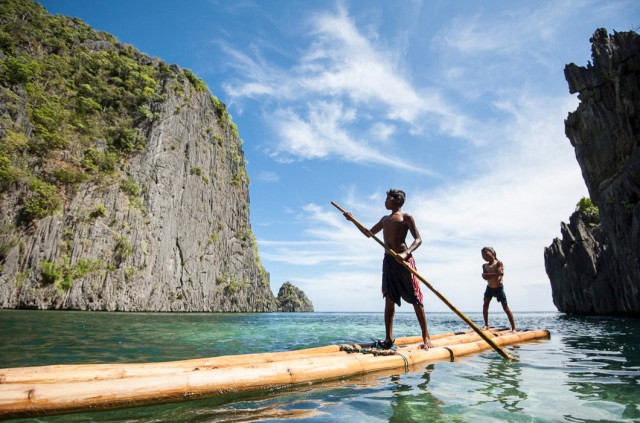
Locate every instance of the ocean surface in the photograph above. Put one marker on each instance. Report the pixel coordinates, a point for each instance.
(588, 371)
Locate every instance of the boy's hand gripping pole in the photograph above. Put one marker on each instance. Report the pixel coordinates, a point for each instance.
(468, 321)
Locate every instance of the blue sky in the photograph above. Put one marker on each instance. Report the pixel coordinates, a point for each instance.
(460, 104)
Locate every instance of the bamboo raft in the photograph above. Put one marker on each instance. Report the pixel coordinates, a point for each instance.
(58, 389)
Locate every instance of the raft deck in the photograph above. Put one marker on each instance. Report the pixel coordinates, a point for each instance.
(58, 389)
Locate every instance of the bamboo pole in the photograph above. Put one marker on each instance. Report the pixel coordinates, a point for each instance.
(435, 291)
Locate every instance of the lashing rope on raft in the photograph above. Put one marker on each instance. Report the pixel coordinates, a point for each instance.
(350, 348)
(355, 348)
(377, 347)
(406, 362)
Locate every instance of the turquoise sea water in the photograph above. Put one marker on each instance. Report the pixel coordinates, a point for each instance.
(589, 371)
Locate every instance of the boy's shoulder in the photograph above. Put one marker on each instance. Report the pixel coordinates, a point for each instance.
(493, 265)
(407, 215)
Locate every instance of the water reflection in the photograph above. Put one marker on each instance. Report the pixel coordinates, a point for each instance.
(266, 407)
(411, 399)
(502, 384)
(601, 367)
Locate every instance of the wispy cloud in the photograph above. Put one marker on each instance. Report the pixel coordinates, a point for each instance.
(343, 84)
(258, 77)
(504, 33)
(486, 53)
(267, 176)
(342, 62)
(329, 239)
(322, 133)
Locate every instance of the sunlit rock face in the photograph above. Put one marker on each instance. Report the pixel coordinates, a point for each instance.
(128, 191)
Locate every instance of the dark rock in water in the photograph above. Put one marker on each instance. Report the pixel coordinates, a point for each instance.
(595, 269)
(293, 299)
(578, 267)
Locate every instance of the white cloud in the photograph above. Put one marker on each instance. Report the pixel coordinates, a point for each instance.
(323, 133)
(468, 35)
(341, 76)
(506, 32)
(382, 131)
(340, 291)
(256, 77)
(344, 62)
(330, 238)
(267, 176)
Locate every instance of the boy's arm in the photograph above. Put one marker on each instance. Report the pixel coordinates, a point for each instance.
(498, 273)
(377, 227)
(417, 239)
(374, 230)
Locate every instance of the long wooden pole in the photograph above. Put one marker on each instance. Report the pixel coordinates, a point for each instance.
(435, 291)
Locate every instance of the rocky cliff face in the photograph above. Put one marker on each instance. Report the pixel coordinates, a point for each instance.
(149, 214)
(596, 270)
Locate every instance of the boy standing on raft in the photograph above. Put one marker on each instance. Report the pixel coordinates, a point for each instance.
(492, 272)
(397, 281)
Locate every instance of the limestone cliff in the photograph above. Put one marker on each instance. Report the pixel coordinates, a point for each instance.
(596, 270)
(122, 179)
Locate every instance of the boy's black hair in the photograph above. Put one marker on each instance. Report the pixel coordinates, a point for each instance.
(490, 249)
(397, 195)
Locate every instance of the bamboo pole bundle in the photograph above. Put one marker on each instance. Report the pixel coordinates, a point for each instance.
(79, 372)
(73, 393)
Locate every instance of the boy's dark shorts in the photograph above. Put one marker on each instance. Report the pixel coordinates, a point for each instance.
(398, 282)
(496, 292)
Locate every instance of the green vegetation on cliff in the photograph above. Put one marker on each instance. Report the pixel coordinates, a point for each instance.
(74, 103)
(590, 210)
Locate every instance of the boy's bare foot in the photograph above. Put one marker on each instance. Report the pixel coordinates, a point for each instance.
(427, 344)
(388, 344)
(485, 327)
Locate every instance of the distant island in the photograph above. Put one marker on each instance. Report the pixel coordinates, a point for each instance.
(123, 184)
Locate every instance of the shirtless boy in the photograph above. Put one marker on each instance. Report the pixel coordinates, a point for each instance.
(397, 281)
(492, 272)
